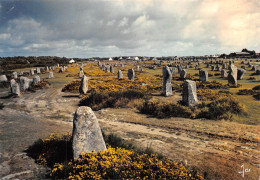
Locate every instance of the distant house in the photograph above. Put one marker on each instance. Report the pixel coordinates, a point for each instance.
(72, 61)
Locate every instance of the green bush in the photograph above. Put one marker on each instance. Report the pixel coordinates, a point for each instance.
(213, 105)
(98, 101)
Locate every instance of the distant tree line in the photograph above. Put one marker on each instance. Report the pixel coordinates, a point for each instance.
(9, 63)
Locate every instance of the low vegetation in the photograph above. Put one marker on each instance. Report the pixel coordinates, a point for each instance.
(40, 85)
(213, 105)
(113, 163)
(117, 99)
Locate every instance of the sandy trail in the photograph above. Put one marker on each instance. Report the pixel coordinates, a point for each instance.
(215, 148)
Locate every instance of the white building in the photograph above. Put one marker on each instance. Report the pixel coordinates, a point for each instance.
(72, 61)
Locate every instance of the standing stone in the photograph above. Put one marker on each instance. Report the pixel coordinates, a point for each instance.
(257, 72)
(253, 68)
(24, 82)
(203, 75)
(111, 69)
(61, 69)
(212, 68)
(99, 63)
(14, 75)
(15, 88)
(137, 68)
(189, 94)
(232, 75)
(141, 69)
(167, 81)
(38, 70)
(36, 79)
(120, 74)
(3, 78)
(31, 72)
(81, 73)
(183, 74)
(218, 68)
(179, 68)
(103, 67)
(83, 88)
(86, 135)
(51, 75)
(240, 73)
(47, 68)
(131, 74)
(224, 73)
(224, 66)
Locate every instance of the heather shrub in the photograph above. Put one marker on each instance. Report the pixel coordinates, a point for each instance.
(256, 88)
(213, 105)
(4, 84)
(211, 85)
(40, 85)
(113, 163)
(118, 163)
(163, 110)
(51, 150)
(98, 101)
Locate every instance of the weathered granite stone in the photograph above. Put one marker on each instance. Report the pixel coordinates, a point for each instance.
(257, 71)
(183, 74)
(3, 78)
(224, 73)
(61, 69)
(111, 69)
(189, 93)
(212, 68)
(81, 73)
(47, 68)
(36, 79)
(179, 68)
(253, 68)
(24, 83)
(83, 88)
(141, 69)
(120, 74)
(31, 72)
(15, 88)
(14, 75)
(103, 67)
(137, 68)
(51, 75)
(232, 75)
(167, 81)
(38, 70)
(218, 68)
(203, 75)
(240, 73)
(131, 74)
(86, 135)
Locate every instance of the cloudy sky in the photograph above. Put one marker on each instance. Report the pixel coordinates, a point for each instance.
(87, 28)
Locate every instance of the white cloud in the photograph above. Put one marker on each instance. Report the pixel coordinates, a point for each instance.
(147, 27)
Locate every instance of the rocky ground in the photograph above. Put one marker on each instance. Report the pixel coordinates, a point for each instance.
(217, 149)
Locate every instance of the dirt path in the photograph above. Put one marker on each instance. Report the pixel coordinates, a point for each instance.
(26, 119)
(215, 148)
